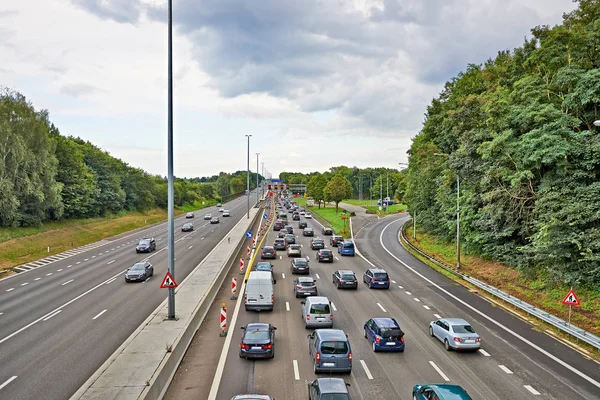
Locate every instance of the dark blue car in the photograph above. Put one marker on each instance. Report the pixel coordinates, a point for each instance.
(376, 278)
(258, 341)
(384, 334)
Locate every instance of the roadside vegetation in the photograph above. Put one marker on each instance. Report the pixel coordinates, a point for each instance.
(328, 217)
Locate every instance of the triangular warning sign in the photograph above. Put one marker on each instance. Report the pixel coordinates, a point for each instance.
(168, 282)
(571, 299)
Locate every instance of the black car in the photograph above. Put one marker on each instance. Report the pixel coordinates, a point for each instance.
(289, 228)
(300, 266)
(279, 244)
(290, 239)
(139, 272)
(344, 278)
(277, 225)
(187, 227)
(327, 230)
(268, 252)
(295, 216)
(317, 243)
(308, 232)
(258, 341)
(324, 255)
(302, 224)
(328, 388)
(189, 215)
(335, 240)
(146, 245)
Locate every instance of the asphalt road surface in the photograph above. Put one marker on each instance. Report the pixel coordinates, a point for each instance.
(517, 360)
(61, 321)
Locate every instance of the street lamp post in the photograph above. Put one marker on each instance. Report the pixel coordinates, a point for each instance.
(371, 191)
(170, 178)
(381, 189)
(257, 154)
(248, 176)
(262, 186)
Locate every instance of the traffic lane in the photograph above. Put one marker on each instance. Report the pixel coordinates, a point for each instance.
(501, 343)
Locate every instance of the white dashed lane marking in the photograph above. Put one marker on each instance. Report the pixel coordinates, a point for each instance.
(49, 273)
(417, 300)
(110, 262)
(532, 390)
(26, 283)
(58, 270)
(382, 309)
(317, 275)
(400, 287)
(485, 353)
(296, 371)
(37, 279)
(287, 306)
(439, 371)
(409, 293)
(503, 368)
(69, 266)
(282, 275)
(67, 282)
(426, 307)
(99, 314)
(364, 365)
(333, 306)
(438, 316)
(9, 380)
(393, 281)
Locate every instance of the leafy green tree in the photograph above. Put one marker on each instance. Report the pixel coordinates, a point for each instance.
(222, 184)
(316, 188)
(337, 189)
(237, 185)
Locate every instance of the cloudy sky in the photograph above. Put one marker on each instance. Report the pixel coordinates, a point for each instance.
(317, 83)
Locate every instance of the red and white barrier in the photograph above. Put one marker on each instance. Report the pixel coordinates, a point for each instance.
(223, 321)
(241, 265)
(248, 251)
(233, 288)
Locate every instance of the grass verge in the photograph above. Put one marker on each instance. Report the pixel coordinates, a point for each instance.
(534, 290)
(372, 205)
(329, 215)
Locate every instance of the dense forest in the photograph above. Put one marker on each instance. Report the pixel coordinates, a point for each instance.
(519, 132)
(45, 176)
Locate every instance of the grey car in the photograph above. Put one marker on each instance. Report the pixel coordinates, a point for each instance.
(146, 245)
(305, 286)
(294, 250)
(290, 239)
(328, 389)
(187, 227)
(214, 220)
(139, 272)
(455, 333)
(252, 397)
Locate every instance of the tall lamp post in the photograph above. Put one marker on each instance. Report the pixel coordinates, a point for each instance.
(262, 186)
(457, 213)
(248, 176)
(257, 154)
(170, 179)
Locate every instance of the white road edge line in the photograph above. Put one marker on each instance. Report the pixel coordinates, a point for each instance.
(296, 371)
(482, 314)
(12, 378)
(287, 306)
(382, 309)
(444, 377)
(52, 315)
(364, 365)
(333, 306)
(67, 282)
(532, 390)
(485, 353)
(99, 314)
(505, 369)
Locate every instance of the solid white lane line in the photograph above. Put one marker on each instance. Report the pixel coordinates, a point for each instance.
(58, 270)
(426, 307)
(438, 316)
(24, 284)
(12, 378)
(110, 262)
(382, 309)
(409, 293)
(287, 306)
(190, 247)
(69, 266)
(503, 368)
(283, 275)
(99, 314)
(364, 365)
(317, 275)
(485, 353)
(10, 290)
(532, 390)
(296, 371)
(111, 281)
(333, 306)
(417, 300)
(67, 282)
(444, 377)
(37, 279)
(52, 315)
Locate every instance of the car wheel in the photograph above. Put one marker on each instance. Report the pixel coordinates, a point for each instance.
(374, 348)
(447, 345)
(365, 332)
(431, 331)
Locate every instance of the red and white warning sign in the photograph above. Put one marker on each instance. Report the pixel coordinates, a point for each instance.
(168, 282)
(571, 299)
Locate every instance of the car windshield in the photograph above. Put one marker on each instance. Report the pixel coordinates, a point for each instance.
(319, 309)
(463, 329)
(308, 229)
(138, 267)
(348, 245)
(257, 335)
(391, 332)
(295, 247)
(263, 267)
(380, 275)
(278, 240)
(334, 396)
(348, 277)
(334, 348)
(300, 262)
(144, 242)
(307, 284)
(325, 252)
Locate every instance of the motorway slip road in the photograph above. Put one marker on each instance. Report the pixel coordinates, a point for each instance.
(61, 321)
(505, 368)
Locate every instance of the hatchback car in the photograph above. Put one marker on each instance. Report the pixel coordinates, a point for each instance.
(258, 341)
(305, 286)
(187, 227)
(278, 225)
(296, 216)
(139, 272)
(455, 333)
(189, 215)
(279, 244)
(294, 250)
(439, 391)
(266, 267)
(328, 389)
(214, 220)
(226, 213)
(252, 397)
(308, 232)
(324, 255)
(146, 245)
(207, 216)
(300, 266)
(268, 252)
(308, 215)
(317, 243)
(289, 228)
(335, 240)
(344, 278)
(290, 239)
(376, 278)
(282, 233)
(384, 334)
(302, 224)
(327, 231)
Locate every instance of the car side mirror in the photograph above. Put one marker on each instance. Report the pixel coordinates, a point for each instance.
(308, 336)
(274, 328)
(348, 384)
(243, 328)
(303, 302)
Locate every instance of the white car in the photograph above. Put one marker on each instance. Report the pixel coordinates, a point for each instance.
(226, 213)
(307, 215)
(221, 209)
(302, 212)
(207, 216)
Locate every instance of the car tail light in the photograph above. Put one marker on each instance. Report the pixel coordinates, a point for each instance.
(350, 357)
(263, 253)
(299, 286)
(331, 317)
(308, 317)
(272, 299)
(372, 279)
(244, 346)
(478, 339)
(388, 279)
(268, 346)
(457, 339)
(377, 339)
(402, 339)
(318, 357)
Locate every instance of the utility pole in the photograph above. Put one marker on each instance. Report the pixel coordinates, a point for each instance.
(170, 179)
(388, 184)
(257, 154)
(248, 176)
(262, 186)
(371, 191)
(457, 221)
(381, 188)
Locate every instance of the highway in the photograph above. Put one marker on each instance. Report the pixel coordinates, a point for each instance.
(61, 321)
(520, 364)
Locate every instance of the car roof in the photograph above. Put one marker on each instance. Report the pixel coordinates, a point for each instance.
(330, 334)
(317, 238)
(278, 239)
(268, 247)
(456, 321)
(450, 392)
(306, 279)
(379, 270)
(332, 385)
(299, 259)
(386, 322)
(257, 327)
(345, 271)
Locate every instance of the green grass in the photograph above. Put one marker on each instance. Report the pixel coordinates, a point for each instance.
(187, 207)
(328, 216)
(374, 207)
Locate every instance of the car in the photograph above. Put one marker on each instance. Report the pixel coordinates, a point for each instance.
(296, 216)
(302, 224)
(307, 215)
(308, 232)
(252, 397)
(335, 240)
(294, 250)
(328, 389)
(455, 333)
(268, 252)
(278, 225)
(300, 266)
(376, 278)
(139, 272)
(290, 239)
(384, 334)
(346, 248)
(187, 227)
(146, 245)
(305, 286)
(214, 220)
(439, 391)
(289, 228)
(324, 255)
(219, 205)
(344, 278)
(258, 341)
(327, 230)
(317, 243)
(329, 349)
(189, 215)
(279, 244)
(302, 212)
(226, 213)
(221, 209)
(282, 234)
(267, 267)
(207, 216)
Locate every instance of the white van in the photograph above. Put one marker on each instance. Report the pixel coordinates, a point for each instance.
(259, 291)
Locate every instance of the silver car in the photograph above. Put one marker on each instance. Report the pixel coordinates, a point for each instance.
(294, 250)
(455, 333)
(305, 286)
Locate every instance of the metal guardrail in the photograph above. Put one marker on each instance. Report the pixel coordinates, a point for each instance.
(528, 308)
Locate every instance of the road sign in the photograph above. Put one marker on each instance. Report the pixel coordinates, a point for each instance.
(168, 282)
(265, 216)
(249, 234)
(571, 299)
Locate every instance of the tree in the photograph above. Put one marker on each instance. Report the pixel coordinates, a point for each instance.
(316, 188)
(222, 184)
(237, 185)
(338, 189)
